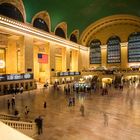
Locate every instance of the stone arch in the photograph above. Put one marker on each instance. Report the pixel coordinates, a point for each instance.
(18, 4)
(44, 15)
(120, 25)
(75, 34)
(63, 26)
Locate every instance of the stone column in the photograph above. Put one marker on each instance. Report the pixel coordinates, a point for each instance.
(28, 54)
(124, 55)
(11, 57)
(104, 55)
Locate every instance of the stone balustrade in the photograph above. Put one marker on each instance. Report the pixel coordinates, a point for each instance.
(9, 117)
(27, 128)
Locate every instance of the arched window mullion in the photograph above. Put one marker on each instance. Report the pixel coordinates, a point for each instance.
(40, 24)
(95, 52)
(11, 11)
(134, 47)
(113, 50)
(59, 32)
(73, 38)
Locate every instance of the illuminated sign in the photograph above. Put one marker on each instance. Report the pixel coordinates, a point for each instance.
(76, 73)
(2, 64)
(14, 77)
(71, 73)
(2, 78)
(68, 73)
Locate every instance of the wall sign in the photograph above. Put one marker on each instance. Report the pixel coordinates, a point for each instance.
(2, 64)
(68, 73)
(15, 77)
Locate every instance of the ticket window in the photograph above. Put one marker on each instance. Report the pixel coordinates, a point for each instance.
(5, 88)
(17, 85)
(26, 86)
(0, 88)
(11, 86)
(31, 84)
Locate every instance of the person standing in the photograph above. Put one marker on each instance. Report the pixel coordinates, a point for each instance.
(26, 112)
(70, 101)
(82, 110)
(105, 119)
(73, 101)
(13, 101)
(45, 104)
(21, 89)
(8, 104)
(39, 123)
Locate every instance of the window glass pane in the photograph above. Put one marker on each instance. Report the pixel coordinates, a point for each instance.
(113, 50)
(134, 47)
(95, 52)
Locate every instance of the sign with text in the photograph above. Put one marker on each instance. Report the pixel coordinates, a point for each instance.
(68, 73)
(16, 77)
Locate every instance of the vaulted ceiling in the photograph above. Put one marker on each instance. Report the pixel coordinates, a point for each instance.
(78, 14)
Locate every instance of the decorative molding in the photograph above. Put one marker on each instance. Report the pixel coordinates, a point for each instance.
(108, 22)
(25, 29)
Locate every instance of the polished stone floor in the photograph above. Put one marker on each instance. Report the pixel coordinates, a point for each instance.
(111, 117)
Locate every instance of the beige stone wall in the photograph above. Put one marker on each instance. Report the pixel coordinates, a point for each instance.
(11, 57)
(43, 75)
(28, 53)
(124, 55)
(121, 30)
(74, 60)
(83, 60)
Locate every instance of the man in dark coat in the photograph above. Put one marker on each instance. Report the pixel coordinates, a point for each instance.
(39, 123)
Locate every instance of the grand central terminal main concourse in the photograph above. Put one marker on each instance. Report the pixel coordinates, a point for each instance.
(73, 66)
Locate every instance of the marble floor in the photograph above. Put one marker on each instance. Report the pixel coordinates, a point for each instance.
(111, 117)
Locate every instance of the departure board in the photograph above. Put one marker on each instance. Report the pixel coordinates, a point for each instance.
(113, 50)
(95, 52)
(134, 48)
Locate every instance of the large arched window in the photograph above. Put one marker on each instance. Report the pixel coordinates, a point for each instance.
(73, 38)
(95, 52)
(113, 50)
(134, 47)
(40, 24)
(11, 11)
(59, 32)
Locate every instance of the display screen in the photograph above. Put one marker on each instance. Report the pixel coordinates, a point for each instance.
(16, 77)
(95, 52)
(113, 50)
(134, 48)
(68, 73)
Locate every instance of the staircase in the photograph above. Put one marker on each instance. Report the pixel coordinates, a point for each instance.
(27, 128)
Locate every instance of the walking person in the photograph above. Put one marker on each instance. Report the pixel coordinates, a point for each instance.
(73, 101)
(21, 89)
(105, 119)
(8, 104)
(82, 110)
(26, 112)
(39, 123)
(45, 104)
(13, 102)
(70, 101)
